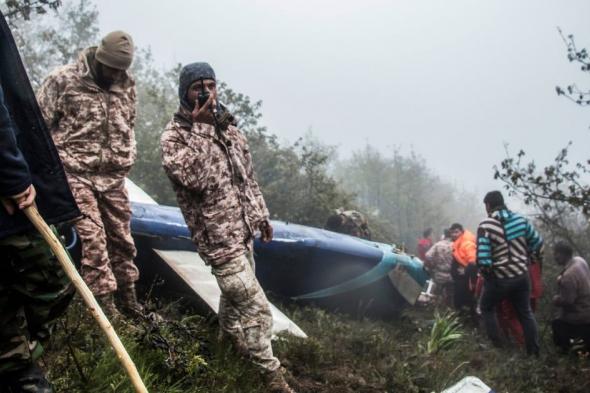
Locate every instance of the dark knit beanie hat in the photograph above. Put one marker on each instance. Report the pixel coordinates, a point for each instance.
(189, 74)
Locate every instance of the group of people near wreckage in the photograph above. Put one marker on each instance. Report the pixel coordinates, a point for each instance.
(89, 110)
(85, 147)
(497, 274)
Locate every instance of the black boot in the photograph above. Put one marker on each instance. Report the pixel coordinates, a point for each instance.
(28, 380)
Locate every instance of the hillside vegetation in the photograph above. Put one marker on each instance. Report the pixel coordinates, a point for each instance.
(342, 354)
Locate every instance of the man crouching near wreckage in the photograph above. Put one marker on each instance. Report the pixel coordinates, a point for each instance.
(208, 161)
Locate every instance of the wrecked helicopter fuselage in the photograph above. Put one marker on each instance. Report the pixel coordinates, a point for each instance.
(301, 264)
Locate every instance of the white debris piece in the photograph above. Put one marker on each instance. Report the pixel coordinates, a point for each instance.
(469, 385)
(136, 194)
(427, 296)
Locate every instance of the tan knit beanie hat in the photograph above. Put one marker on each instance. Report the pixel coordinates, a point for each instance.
(116, 50)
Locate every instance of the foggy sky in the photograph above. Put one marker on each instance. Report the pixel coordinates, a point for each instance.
(452, 80)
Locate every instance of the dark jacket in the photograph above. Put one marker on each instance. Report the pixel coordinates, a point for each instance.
(14, 170)
(33, 158)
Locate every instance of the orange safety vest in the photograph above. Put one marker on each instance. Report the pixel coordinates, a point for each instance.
(465, 249)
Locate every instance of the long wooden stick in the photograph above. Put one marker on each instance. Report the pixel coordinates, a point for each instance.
(64, 259)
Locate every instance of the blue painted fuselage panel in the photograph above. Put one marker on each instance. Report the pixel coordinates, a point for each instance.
(299, 261)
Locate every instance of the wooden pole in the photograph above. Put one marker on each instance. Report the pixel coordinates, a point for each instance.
(64, 259)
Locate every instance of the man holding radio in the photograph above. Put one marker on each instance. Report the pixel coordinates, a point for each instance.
(209, 164)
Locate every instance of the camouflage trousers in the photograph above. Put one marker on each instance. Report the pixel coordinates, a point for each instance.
(244, 311)
(34, 291)
(105, 233)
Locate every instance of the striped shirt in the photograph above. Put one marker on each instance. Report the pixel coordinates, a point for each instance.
(505, 240)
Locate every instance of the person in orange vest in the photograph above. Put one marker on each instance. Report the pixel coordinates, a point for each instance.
(464, 270)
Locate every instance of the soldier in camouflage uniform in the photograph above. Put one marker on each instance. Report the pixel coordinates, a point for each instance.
(34, 290)
(438, 262)
(349, 222)
(89, 107)
(209, 164)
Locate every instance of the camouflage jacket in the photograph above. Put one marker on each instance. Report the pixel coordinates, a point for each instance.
(92, 128)
(439, 260)
(214, 182)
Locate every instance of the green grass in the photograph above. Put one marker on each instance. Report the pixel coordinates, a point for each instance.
(343, 354)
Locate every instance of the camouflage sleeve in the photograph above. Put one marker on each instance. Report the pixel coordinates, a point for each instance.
(254, 184)
(48, 98)
(431, 254)
(181, 164)
(133, 112)
(132, 116)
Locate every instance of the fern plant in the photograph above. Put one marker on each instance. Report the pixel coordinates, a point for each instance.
(446, 331)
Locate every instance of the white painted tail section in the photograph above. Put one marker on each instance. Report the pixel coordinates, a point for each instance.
(136, 194)
(191, 268)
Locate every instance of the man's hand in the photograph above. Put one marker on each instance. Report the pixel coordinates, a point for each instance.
(202, 113)
(22, 200)
(266, 231)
